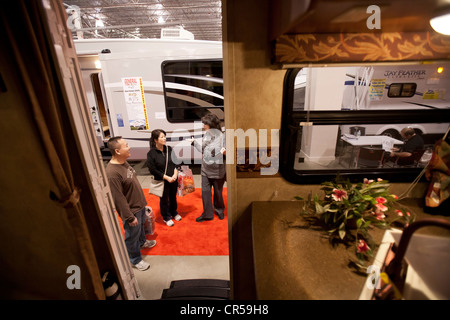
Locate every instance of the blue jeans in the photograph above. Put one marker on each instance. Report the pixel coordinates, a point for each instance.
(135, 237)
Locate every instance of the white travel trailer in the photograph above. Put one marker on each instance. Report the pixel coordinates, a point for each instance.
(406, 87)
(136, 85)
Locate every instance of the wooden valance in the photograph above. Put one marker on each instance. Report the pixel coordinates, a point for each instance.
(360, 47)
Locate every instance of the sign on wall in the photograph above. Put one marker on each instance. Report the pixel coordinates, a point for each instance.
(135, 103)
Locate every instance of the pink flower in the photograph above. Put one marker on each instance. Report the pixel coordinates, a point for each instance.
(379, 179)
(339, 195)
(394, 196)
(367, 181)
(381, 200)
(400, 213)
(381, 207)
(379, 215)
(362, 247)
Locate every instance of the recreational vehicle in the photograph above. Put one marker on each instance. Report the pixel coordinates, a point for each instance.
(397, 87)
(134, 86)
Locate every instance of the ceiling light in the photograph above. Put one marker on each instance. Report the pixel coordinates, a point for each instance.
(441, 23)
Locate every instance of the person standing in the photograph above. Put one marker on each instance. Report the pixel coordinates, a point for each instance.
(213, 167)
(156, 163)
(129, 200)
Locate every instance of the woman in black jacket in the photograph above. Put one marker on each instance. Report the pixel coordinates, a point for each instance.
(156, 163)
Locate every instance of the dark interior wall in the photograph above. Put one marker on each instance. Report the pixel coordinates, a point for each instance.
(40, 238)
(37, 242)
(253, 96)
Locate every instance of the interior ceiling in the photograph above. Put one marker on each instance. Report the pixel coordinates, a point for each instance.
(146, 18)
(335, 16)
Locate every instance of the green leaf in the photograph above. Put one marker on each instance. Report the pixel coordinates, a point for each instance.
(319, 209)
(365, 225)
(298, 198)
(342, 231)
(359, 222)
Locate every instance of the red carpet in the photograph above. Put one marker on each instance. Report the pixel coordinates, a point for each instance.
(188, 237)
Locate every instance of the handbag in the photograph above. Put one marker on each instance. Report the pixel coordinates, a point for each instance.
(157, 186)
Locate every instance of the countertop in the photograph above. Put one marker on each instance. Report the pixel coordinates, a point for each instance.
(293, 261)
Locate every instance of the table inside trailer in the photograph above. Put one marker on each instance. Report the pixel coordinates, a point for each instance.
(385, 142)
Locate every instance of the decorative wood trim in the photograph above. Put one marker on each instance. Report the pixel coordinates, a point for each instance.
(361, 47)
(249, 164)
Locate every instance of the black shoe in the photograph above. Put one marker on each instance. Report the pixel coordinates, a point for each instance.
(201, 219)
(221, 216)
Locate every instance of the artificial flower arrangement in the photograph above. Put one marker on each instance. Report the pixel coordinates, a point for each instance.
(349, 211)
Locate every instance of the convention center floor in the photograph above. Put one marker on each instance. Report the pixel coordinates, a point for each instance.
(165, 269)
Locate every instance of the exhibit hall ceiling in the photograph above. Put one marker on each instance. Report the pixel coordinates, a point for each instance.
(144, 18)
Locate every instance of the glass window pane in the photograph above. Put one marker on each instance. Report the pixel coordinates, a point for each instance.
(408, 89)
(395, 90)
(193, 88)
(364, 146)
(378, 87)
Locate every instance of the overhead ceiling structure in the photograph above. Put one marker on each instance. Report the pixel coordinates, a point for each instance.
(334, 16)
(344, 31)
(144, 18)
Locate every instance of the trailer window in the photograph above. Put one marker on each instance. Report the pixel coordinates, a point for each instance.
(328, 129)
(192, 88)
(402, 90)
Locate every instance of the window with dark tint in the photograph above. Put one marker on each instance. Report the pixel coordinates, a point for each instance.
(397, 90)
(193, 88)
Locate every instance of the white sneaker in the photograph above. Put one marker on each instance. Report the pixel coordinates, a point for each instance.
(148, 244)
(177, 217)
(169, 223)
(142, 265)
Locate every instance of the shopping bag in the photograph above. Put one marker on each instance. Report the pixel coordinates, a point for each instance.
(185, 181)
(149, 223)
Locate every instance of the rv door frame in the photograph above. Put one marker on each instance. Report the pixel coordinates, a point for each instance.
(71, 81)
